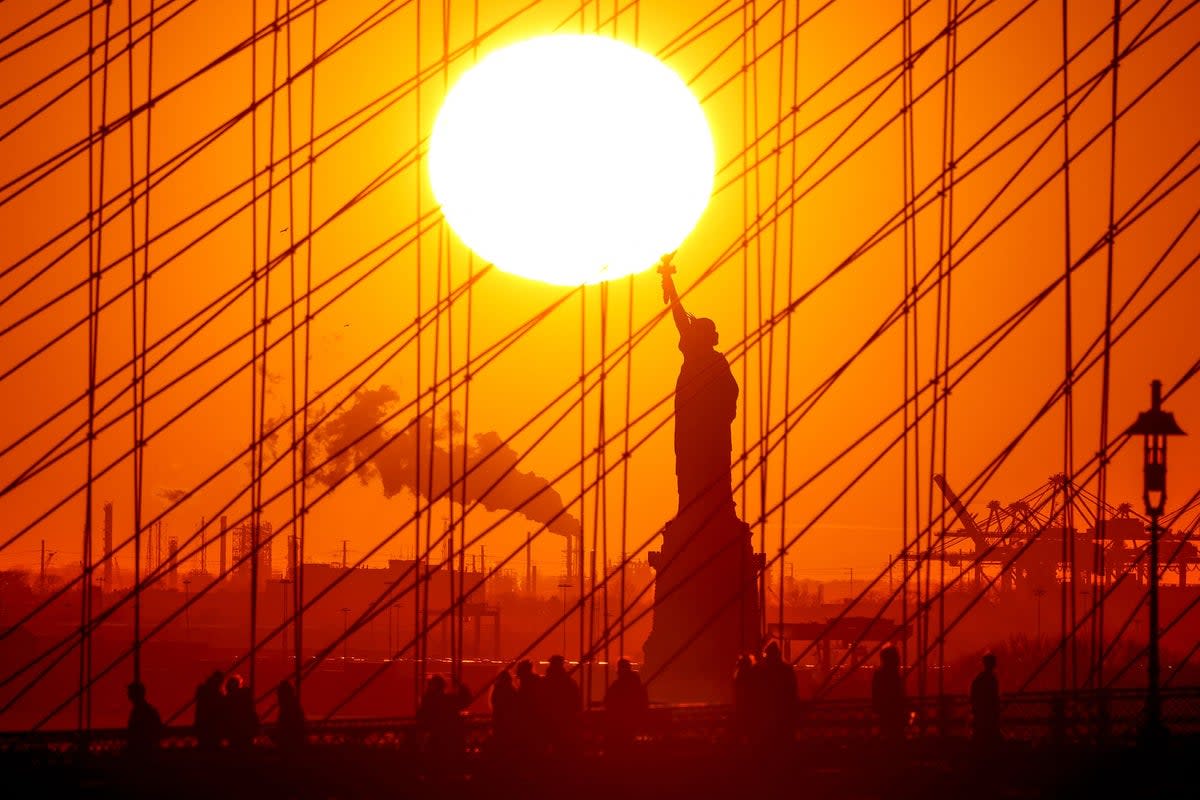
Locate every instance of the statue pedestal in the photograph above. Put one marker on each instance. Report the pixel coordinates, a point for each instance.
(705, 605)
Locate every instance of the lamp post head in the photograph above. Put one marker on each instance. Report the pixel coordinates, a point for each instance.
(1155, 422)
(1154, 426)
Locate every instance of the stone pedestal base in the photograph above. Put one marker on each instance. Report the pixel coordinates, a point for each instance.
(705, 607)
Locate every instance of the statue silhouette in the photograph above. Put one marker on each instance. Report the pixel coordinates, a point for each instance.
(705, 602)
(706, 396)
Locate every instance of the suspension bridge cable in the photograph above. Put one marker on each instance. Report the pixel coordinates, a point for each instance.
(1110, 589)
(547, 629)
(1115, 445)
(40, 16)
(1068, 672)
(109, 57)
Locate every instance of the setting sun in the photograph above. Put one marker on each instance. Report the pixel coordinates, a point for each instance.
(571, 159)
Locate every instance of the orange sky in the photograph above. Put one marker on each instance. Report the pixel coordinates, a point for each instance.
(206, 204)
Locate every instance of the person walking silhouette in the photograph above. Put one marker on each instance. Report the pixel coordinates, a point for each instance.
(887, 696)
(985, 703)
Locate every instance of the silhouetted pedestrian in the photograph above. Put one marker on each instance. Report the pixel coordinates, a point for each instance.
(985, 703)
(531, 708)
(145, 724)
(887, 696)
(239, 717)
(776, 689)
(209, 713)
(563, 703)
(439, 717)
(625, 704)
(290, 731)
(505, 713)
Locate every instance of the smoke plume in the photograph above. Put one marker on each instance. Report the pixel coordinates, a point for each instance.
(489, 460)
(172, 496)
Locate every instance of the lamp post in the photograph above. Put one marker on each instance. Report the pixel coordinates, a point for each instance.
(1154, 426)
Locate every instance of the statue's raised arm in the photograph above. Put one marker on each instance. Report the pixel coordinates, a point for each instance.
(682, 320)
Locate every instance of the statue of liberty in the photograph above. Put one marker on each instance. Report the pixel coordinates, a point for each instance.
(706, 598)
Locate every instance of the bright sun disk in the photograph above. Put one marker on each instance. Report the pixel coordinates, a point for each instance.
(571, 159)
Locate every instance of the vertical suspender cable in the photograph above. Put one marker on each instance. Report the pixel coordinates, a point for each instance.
(254, 465)
(915, 353)
(298, 585)
(433, 404)
(138, 344)
(258, 543)
(95, 188)
(418, 559)
(763, 401)
(600, 519)
(637, 25)
(623, 586)
(451, 522)
(432, 426)
(455, 619)
(261, 435)
(904, 95)
(84, 623)
(602, 471)
(747, 26)
(582, 456)
(466, 418)
(84, 588)
(946, 349)
(942, 337)
(133, 343)
(291, 541)
(1099, 578)
(624, 536)
(1068, 671)
(766, 378)
(600, 527)
(935, 400)
(791, 270)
